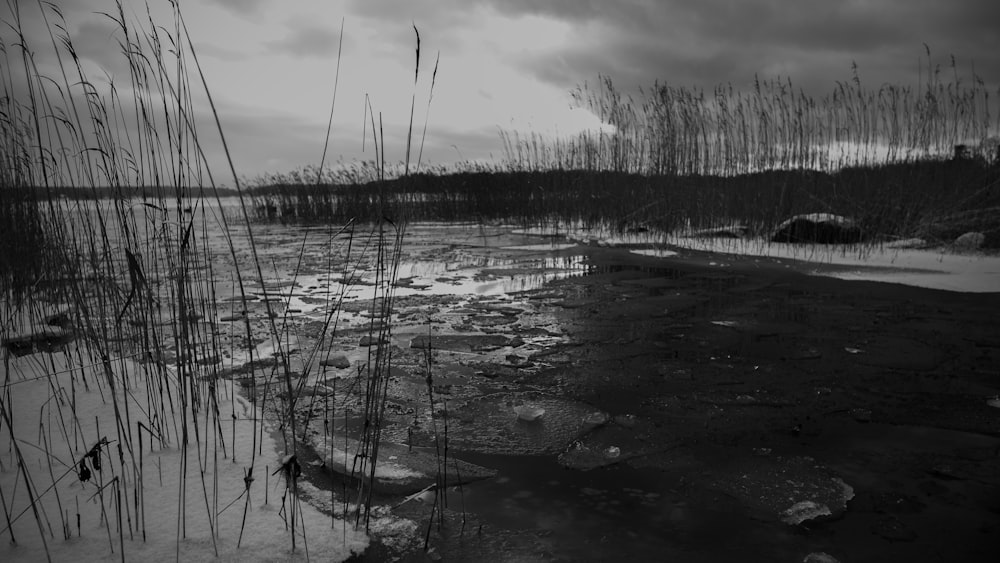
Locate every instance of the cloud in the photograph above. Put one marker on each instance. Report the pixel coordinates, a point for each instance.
(448, 144)
(306, 39)
(512, 63)
(441, 22)
(243, 8)
(717, 41)
(250, 135)
(220, 52)
(100, 42)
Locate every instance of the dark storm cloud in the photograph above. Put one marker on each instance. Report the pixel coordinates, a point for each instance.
(723, 41)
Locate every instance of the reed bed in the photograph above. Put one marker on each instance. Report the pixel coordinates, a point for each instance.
(934, 199)
(902, 161)
(676, 130)
(132, 417)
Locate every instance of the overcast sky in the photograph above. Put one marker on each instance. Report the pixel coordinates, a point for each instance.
(511, 63)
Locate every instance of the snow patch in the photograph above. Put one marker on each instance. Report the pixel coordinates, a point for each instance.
(133, 507)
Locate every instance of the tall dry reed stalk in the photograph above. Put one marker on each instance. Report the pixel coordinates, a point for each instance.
(138, 265)
(774, 126)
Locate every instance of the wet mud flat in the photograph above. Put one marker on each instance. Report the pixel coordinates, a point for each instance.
(700, 407)
(732, 408)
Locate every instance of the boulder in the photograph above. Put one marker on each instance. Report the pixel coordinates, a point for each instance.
(62, 318)
(818, 228)
(38, 339)
(371, 340)
(338, 361)
(970, 241)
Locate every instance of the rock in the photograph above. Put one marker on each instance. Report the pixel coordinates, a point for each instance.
(60, 319)
(370, 341)
(970, 241)
(40, 339)
(338, 361)
(818, 228)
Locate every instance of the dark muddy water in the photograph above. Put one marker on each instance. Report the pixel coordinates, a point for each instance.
(690, 406)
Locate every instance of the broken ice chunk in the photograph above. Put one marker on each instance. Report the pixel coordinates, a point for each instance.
(595, 419)
(528, 413)
(805, 510)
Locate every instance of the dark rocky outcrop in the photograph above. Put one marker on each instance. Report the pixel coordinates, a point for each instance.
(56, 331)
(47, 339)
(818, 228)
(971, 240)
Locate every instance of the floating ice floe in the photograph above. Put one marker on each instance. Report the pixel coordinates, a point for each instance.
(595, 419)
(541, 247)
(487, 424)
(399, 468)
(628, 438)
(804, 510)
(795, 489)
(529, 413)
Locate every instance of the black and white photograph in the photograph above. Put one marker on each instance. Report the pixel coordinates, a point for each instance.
(500, 281)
